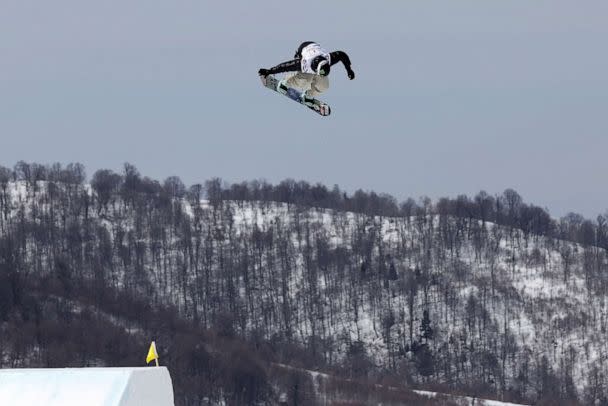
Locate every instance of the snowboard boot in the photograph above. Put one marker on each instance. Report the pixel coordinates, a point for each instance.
(307, 100)
(282, 87)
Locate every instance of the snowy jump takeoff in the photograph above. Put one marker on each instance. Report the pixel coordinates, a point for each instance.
(306, 75)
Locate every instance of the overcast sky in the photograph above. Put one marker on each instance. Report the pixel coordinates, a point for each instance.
(450, 97)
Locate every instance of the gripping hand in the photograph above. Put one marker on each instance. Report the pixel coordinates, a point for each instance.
(351, 74)
(263, 72)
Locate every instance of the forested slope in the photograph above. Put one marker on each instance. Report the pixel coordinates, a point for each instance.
(484, 295)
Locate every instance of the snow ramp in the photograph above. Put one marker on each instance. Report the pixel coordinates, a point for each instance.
(86, 386)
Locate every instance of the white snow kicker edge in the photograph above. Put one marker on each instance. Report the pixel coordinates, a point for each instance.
(150, 386)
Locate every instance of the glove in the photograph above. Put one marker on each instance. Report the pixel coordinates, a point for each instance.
(264, 72)
(351, 74)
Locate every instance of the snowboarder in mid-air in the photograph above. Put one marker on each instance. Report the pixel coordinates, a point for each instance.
(307, 77)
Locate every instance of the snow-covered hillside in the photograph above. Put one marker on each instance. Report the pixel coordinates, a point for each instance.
(430, 298)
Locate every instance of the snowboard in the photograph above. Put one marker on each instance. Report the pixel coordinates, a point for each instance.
(317, 105)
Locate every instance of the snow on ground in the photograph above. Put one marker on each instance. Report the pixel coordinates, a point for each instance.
(460, 400)
(466, 400)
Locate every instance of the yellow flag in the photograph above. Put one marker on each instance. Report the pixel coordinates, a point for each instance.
(152, 354)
